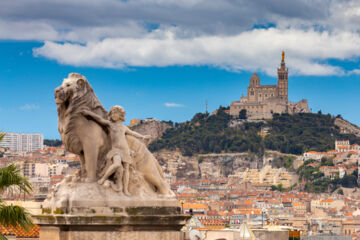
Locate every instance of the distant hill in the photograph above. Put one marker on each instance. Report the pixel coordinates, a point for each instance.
(293, 134)
(52, 142)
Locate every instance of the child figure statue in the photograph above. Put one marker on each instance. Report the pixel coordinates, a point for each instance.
(119, 155)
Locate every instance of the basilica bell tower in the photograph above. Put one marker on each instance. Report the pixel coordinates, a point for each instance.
(283, 79)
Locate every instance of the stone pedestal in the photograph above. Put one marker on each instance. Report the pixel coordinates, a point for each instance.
(158, 223)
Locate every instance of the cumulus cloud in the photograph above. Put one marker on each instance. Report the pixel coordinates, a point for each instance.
(194, 16)
(172, 105)
(234, 35)
(255, 50)
(29, 107)
(354, 72)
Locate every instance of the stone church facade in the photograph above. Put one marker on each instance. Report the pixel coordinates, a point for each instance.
(262, 101)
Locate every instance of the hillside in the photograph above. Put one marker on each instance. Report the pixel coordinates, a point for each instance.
(210, 134)
(347, 127)
(292, 134)
(154, 128)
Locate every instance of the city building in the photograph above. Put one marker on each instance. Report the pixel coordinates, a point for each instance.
(342, 145)
(262, 101)
(23, 142)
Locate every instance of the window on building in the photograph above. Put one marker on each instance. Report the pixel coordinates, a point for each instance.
(251, 93)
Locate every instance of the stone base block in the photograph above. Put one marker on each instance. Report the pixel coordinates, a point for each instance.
(51, 233)
(160, 223)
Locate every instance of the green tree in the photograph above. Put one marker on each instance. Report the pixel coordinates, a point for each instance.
(13, 215)
(349, 181)
(242, 114)
(52, 143)
(326, 162)
(278, 187)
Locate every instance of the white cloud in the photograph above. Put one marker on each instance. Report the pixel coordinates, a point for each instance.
(27, 30)
(62, 21)
(354, 72)
(172, 105)
(29, 107)
(189, 32)
(254, 50)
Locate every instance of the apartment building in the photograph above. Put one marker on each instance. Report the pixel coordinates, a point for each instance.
(23, 142)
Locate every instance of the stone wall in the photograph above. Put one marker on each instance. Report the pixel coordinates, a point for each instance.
(298, 107)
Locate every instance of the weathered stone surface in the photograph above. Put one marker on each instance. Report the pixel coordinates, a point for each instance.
(347, 127)
(298, 107)
(206, 165)
(121, 223)
(110, 235)
(151, 127)
(90, 198)
(161, 225)
(264, 234)
(90, 204)
(178, 165)
(114, 159)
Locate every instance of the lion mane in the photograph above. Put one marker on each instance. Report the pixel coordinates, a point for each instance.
(78, 95)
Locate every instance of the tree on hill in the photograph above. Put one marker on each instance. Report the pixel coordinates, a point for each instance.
(294, 134)
(318, 183)
(13, 215)
(210, 134)
(303, 132)
(52, 143)
(242, 114)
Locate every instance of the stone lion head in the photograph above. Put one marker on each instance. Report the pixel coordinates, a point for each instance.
(75, 86)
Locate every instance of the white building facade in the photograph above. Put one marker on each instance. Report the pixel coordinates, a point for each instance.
(23, 142)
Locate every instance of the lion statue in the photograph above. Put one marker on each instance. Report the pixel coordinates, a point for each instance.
(79, 134)
(83, 136)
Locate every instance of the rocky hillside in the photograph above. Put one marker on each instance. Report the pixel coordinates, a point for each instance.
(221, 165)
(347, 127)
(152, 127)
(216, 146)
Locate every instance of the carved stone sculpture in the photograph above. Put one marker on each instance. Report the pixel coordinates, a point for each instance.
(79, 134)
(108, 151)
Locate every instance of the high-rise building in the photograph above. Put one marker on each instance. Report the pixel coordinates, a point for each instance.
(23, 142)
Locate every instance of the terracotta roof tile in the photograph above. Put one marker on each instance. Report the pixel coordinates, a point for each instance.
(20, 232)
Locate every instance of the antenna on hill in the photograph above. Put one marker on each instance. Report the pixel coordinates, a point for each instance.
(206, 106)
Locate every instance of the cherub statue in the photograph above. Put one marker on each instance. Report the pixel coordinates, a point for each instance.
(119, 155)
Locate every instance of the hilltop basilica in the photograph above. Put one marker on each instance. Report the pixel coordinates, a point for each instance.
(264, 100)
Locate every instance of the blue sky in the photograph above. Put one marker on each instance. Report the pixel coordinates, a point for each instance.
(163, 65)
